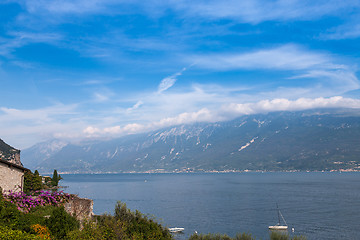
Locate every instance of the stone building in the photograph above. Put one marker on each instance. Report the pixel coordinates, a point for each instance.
(11, 176)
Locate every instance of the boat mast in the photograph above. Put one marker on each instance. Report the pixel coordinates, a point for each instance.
(278, 212)
(283, 218)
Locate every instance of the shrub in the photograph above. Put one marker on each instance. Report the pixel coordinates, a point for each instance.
(138, 226)
(274, 235)
(90, 231)
(60, 223)
(298, 238)
(125, 224)
(26, 225)
(209, 236)
(244, 236)
(10, 216)
(7, 233)
(26, 202)
(41, 231)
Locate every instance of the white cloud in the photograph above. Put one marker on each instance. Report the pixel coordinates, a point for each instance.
(23, 128)
(282, 104)
(136, 106)
(168, 82)
(227, 112)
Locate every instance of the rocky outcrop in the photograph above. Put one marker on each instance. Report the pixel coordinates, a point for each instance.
(10, 154)
(81, 208)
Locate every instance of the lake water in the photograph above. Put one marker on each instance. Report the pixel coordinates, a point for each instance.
(318, 205)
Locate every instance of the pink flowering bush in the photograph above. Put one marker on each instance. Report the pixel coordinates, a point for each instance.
(26, 202)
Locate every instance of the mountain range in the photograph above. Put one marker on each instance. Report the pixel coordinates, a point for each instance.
(281, 141)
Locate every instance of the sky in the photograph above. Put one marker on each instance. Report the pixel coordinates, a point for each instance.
(84, 69)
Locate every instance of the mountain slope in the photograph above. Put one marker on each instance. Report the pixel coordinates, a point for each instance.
(9, 153)
(311, 140)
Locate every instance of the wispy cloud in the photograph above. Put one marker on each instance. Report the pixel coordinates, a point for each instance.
(322, 68)
(350, 30)
(286, 57)
(65, 7)
(100, 97)
(257, 11)
(23, 127)
(168, 82)
(135, 106)
(253, 11)
(20, 39)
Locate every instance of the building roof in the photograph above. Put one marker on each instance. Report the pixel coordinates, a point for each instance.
(13, 165)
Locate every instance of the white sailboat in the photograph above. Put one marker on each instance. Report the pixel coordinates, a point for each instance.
(176, 230)
(279, 226)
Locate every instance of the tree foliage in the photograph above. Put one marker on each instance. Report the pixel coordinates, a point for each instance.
(32, 181)
(55, 179)
(60, 223)
(7, 233)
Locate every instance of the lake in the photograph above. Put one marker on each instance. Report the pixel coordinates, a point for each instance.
(318, 205)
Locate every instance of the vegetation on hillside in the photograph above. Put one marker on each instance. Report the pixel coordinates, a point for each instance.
(34, 182)
(51, 221)
(7, 151)
(5, 148)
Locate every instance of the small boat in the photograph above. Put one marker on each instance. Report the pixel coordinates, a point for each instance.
(176, 230)
(278, 226)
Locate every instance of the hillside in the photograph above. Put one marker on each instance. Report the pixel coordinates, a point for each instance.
(9, 153)
(308, 140)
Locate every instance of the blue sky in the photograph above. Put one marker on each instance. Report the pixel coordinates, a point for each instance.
(97, 69)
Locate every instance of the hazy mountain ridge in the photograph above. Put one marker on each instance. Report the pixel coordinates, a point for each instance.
(308, 140)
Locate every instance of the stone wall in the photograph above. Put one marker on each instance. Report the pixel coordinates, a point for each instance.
(11, 178)
(81, 208)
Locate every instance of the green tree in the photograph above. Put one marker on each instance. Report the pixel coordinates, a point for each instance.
(60, 223)
(32, 181)
(55, 179)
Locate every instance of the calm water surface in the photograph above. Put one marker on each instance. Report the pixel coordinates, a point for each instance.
(317, 205)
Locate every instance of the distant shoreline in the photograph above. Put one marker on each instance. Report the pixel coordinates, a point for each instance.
(225, 171)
